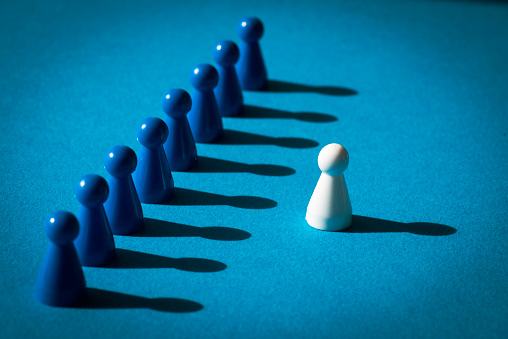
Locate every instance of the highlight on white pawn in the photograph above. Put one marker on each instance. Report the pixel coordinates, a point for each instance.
(329, 207)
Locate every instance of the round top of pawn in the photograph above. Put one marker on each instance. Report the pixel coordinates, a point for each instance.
(226, 53)
(176, 103)
(120, 161)
(333, 159)
(204, 77)
(92, 190)
(152, 132)
(61, 227)
(250, 29)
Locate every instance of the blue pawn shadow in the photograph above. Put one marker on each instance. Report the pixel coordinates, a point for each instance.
(103, 299)
(161, 228)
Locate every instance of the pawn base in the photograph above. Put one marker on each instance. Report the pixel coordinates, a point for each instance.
(329, 224)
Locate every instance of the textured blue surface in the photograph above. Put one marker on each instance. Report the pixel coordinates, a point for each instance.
(416, 92)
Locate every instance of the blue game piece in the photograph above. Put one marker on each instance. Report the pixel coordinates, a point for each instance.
(152, 178)
(228, 92)
(123, 207)
(204, 117)
(95, 243)
(61, 281)
(180, 147)
(251, 67)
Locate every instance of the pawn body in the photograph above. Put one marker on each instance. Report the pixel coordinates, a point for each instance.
(228, 91)
(95, 244)
(61, 281)
(123, 207)
(329, 208)
(179, 147)
(251, 66)
(152, 178)
(204, 117)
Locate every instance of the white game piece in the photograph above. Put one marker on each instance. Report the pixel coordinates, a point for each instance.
(329, 207)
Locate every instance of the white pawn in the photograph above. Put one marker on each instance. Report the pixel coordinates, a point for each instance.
(329, 207)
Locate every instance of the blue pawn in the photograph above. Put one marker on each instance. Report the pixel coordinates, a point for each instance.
(251, 67)
(204, 117)
(123, 207)
(228, 92)
(152, 178)
(61, 281)
(180, 147)
(95, 243)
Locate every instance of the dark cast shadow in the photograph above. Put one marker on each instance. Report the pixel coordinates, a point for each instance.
(270, 113)
(231, 137)
(213, 165)
(103, 299)
(188, 197)
(363, 224)
(161, 228)
(134, 259)
(284, 86)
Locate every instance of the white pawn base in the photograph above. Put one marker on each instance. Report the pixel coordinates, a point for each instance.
(329, 208)
(329, 224)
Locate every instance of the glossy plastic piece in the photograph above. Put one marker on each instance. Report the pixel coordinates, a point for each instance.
(123, 207)
(95, 244)
(251, 67)
(152, 178)
(329, 208)
(61, 281)
(228, 91)
(204, 117)
(179, 147)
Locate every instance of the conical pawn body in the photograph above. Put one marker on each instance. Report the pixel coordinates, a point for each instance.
(153, 179)
(95, 243)
(180, 147)
(204, 118)
(228, 93)
(251, 67)
(329, 207)
(60, 281)
(123, 207)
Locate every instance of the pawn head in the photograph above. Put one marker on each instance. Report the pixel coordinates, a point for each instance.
(333, 159)
(176, 103)
(204, 77)
(61, 227)
(250, 29)
(92, 190)
(120, 161)
(152, 132)
(226, 53)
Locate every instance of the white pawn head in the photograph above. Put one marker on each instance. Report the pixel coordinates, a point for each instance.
(333, 159)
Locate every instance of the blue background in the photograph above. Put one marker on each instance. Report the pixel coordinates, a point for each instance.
(417, 91)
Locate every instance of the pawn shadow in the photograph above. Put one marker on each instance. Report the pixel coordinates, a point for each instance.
(363, 224)
(103, 299)
(213, 165)
(188, 197)
(270, 113)
(231, 137)
(284, 87)
(161, 228)
(134, 259)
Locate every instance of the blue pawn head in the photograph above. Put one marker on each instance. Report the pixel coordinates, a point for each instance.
(176, 103)
(120, 161)
(152, 132)
(226, 53)
(250, 29)
(61, 227)
(204, 77)
(92, 190)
